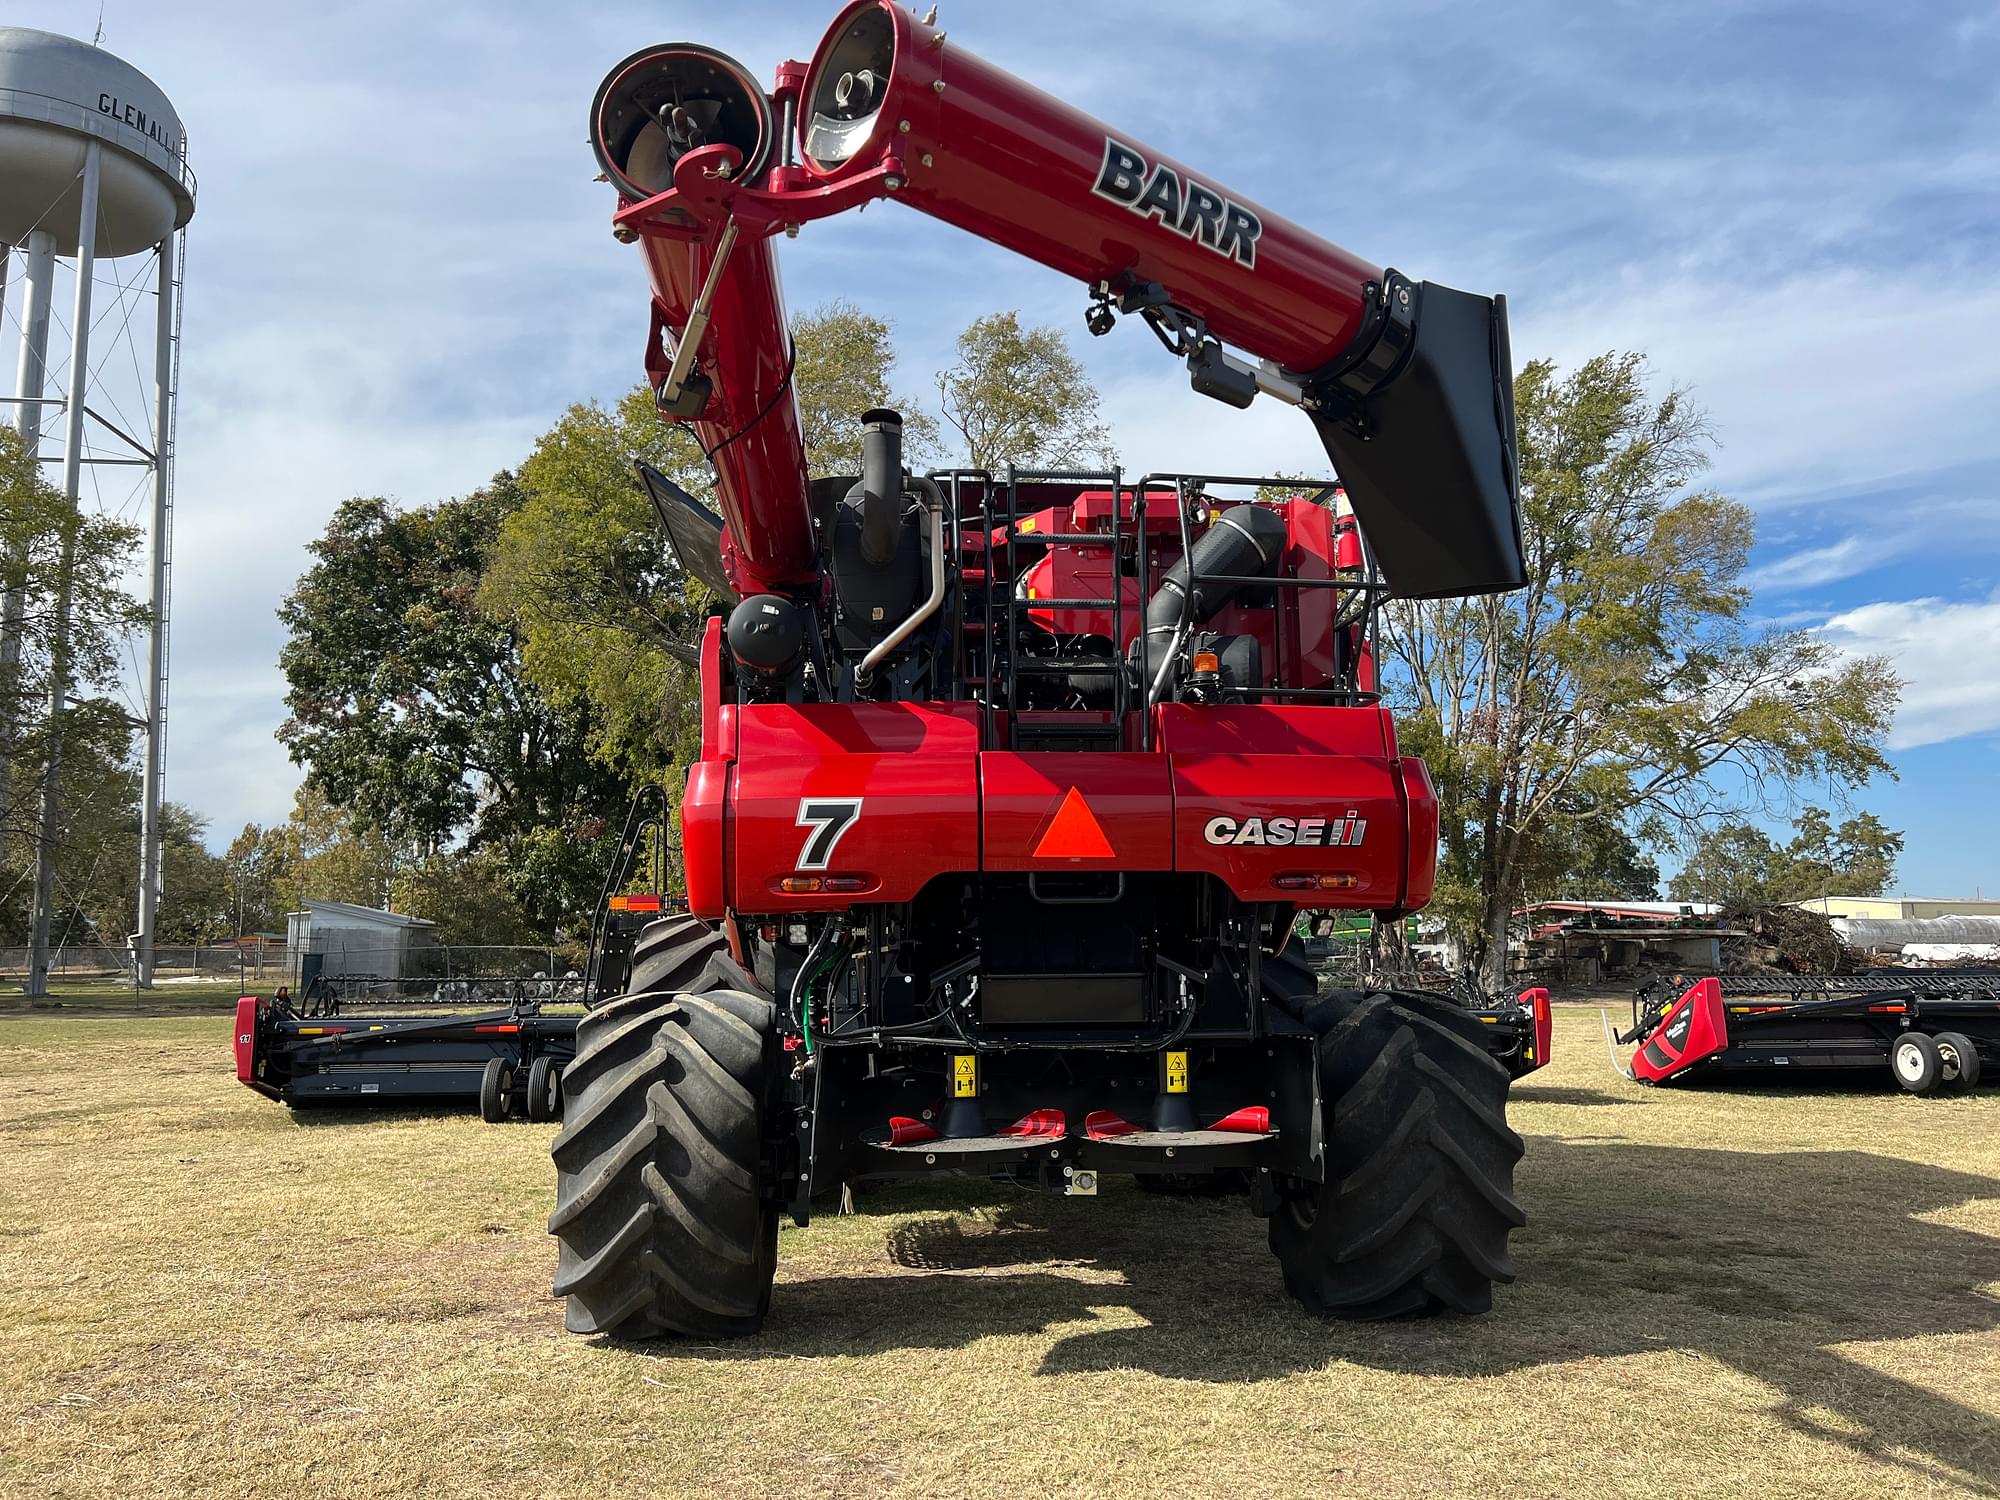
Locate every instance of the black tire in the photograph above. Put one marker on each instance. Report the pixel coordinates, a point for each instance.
(1958, 1062)
(665, 1222)
(1419, 1201)
(1913, 1058)
(544, 1090)
(496, 1091)
(671, 954)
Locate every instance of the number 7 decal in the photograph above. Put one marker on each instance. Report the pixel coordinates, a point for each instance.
(828, 818)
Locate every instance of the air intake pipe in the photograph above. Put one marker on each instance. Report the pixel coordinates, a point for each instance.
(1245, 541)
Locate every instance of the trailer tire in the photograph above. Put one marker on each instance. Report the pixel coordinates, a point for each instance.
(671, 954)
(544, 1090)
(1419, 1198)
(1913, 1058)
(496, 1091)
(1958, 1062)
(663, 1218)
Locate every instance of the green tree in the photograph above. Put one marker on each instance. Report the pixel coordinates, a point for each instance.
(844, 361)
(257, 862)
(1734, 865)
(1590, 859)
(583, 575)
(409, 704)
(1019, 396)
(42, 537)
(1858, 858)
(1740, 867)
(1622, 682)
(195, 904)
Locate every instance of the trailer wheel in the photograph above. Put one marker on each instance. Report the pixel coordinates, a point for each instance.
(544, 1090)
(1915, 1061)
(1958, 1062)
(671, 954)
(662, 1216)
(496, 1091)
(1419, 1200)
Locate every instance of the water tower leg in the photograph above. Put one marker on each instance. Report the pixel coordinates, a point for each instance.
(156, 654)
(48, 829)
(39, 264)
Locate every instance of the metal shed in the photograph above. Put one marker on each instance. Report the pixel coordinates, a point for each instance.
(335, 939)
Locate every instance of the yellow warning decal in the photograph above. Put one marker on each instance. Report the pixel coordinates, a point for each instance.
(1177, 1071)
(1025, 527)
(964, 1076)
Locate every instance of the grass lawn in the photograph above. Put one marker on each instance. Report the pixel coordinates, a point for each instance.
(1741, 1294)
(105, 996)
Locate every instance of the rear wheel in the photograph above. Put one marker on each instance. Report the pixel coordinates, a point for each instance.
(662, 1213)
(1958, 1062)
(496, 1091)
(1419, 1198)
(1915, 1062)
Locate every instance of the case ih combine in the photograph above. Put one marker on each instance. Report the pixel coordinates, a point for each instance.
(1011, 784)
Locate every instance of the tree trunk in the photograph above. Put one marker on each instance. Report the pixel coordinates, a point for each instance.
(1493, 933)
(1390, 957)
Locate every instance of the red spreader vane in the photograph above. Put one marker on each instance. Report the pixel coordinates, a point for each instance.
(1074, 833)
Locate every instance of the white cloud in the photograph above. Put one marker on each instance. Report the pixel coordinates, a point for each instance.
(1948, 655)
(1817, 565)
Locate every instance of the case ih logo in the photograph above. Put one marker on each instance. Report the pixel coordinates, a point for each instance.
(1283, 833)
(1181, 204)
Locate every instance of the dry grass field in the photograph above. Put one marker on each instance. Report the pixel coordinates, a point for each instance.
(1731, 1294)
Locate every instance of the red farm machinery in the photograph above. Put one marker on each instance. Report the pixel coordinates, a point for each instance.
(1012, 784)
(1935, 1031)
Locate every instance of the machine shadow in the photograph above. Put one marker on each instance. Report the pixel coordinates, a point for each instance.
(1762, 1261)
(1529, 1093)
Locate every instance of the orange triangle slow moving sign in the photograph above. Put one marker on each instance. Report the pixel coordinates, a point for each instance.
(1074, 833)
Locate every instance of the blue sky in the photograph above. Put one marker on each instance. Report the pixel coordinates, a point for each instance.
(400, 270)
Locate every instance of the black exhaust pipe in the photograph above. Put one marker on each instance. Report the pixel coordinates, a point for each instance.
(1245, 541)
(881, 485)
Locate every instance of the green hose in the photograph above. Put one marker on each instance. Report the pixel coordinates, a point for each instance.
(806, 1010)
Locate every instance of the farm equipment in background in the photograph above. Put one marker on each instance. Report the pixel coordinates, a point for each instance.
(1011, 784)
(502, 1040)
(1934, 1031)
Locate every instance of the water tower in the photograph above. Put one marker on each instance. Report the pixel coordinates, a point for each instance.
(93, 168)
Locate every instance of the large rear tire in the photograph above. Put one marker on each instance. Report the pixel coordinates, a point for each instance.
(662, 1213)
(1419, 1197)
(671, 954)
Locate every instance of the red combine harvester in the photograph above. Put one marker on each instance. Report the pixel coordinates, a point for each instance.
(1012, 784)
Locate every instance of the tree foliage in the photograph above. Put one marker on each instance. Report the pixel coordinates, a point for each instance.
(582, 574)
(1019, 396)
(1739, 866)
(1622, 686)
(41, 535)
(845, 357)
(411, 710)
